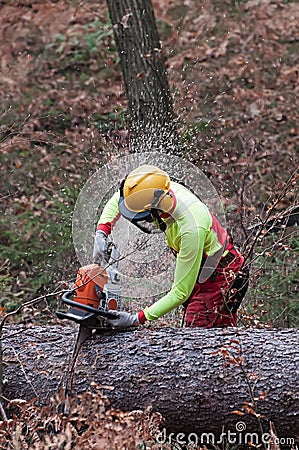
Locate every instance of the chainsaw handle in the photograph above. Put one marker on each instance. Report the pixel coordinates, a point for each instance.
(98, 312)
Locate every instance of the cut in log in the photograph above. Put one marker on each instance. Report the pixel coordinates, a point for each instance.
(195, 378)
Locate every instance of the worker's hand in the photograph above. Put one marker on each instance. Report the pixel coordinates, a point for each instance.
(100, 247)
(124, 320)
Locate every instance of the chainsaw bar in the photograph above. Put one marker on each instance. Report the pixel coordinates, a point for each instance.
(83, 335)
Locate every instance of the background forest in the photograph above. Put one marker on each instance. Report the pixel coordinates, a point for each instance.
(233, 70)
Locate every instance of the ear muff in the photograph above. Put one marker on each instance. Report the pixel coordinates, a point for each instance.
(121, 187)
(166, 203)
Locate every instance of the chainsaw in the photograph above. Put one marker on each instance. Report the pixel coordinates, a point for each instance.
(95, 297)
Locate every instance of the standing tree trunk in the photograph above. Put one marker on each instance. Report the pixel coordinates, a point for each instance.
(148, 94)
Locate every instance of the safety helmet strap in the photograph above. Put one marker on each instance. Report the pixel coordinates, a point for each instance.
(161, 224)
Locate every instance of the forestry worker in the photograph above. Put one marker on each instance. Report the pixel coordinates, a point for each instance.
(210, 278)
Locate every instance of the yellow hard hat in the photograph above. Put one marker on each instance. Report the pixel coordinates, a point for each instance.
(144, 189)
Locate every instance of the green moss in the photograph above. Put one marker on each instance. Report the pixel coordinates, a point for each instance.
(116, 119)
(81, 46)
(193, 129)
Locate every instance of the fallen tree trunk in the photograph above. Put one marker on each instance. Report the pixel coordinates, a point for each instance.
(195, 378)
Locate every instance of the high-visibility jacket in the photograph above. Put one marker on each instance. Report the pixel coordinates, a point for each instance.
(192, 231)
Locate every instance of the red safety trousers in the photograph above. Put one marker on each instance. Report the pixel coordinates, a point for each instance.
(206, 307)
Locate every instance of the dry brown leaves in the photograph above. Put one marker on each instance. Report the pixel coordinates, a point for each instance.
(90, 424)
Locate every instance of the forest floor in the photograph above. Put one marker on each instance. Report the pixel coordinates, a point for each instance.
(233, 68)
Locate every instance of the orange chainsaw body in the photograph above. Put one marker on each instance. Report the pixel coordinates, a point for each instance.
(85, 286)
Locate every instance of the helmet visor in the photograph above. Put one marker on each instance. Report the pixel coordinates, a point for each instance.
(133, 215)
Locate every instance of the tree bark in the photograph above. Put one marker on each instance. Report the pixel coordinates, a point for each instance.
(142, 64)
(185, 374)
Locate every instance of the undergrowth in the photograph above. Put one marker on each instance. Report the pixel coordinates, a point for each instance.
(273, 296)
(36, 246)
(91, 423)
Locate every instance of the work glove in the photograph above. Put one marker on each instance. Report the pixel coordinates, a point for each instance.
(124, 320)
(100, 247)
